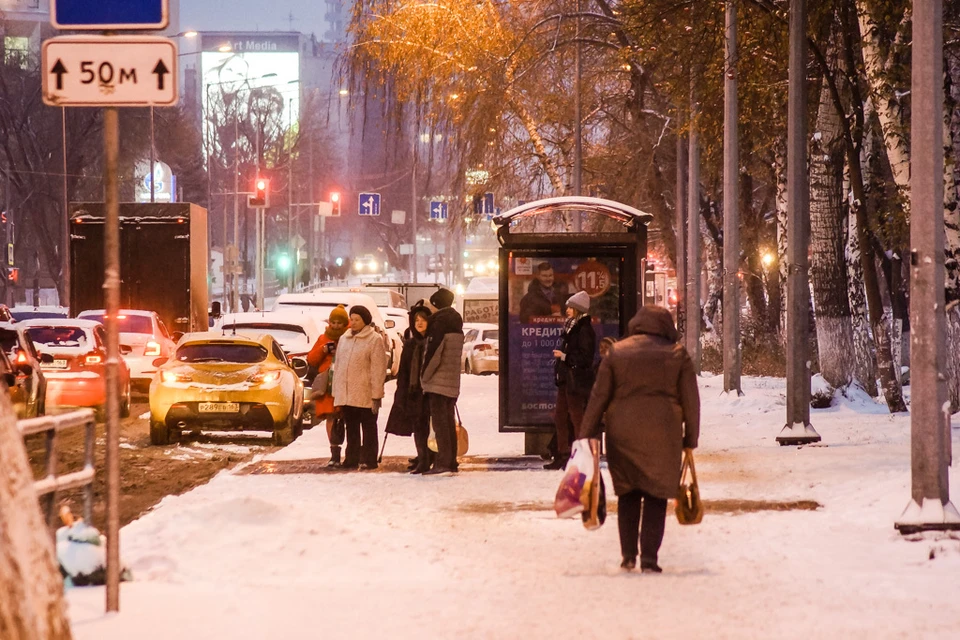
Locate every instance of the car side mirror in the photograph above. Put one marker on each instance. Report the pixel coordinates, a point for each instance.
(10, 379)
(25, 369)
(389, 324)
(125, 349)
(299, 366)
(46, 358)
(159, 362)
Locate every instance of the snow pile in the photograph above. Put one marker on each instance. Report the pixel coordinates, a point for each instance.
(796, 542)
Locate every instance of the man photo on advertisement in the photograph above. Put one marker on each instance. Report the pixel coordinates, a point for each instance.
(544, 296)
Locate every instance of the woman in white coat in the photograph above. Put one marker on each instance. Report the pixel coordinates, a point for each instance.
(358, 387)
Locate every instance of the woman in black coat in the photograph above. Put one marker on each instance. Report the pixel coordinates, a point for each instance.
(574, 375)
(408, 416)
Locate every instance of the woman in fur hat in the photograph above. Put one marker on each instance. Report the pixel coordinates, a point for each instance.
(408, 416)
(321, 359)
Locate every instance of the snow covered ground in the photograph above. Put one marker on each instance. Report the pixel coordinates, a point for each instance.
(482, 555)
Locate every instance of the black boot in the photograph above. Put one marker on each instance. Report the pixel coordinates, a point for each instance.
(558, 463)
(334, 457)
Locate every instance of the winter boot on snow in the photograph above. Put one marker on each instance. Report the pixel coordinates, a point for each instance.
(334, 457)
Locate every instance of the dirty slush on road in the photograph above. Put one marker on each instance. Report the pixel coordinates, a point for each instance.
(147, 473)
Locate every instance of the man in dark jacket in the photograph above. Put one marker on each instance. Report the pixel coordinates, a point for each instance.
(440, 377)
(646, 394)
(544, 296)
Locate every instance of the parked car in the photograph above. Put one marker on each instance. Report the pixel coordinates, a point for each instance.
(481, 348)
(146, 337)
(76, 373)
(321, 302)
(229, 383)
(25, 362)
(296, 332)
(31, 313)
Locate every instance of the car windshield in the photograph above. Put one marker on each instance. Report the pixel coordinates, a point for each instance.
(58, 336)
(221, 352)
(126, 323)
(9, 342)
(33, 314)
(280, 332)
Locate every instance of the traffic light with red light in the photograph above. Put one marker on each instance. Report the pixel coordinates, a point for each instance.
(13, 275)
(261, 194)
(335, 201)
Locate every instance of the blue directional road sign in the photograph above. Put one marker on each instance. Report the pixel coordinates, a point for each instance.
(102, 15)
(438, 210)
(369, 204)
(488, 203)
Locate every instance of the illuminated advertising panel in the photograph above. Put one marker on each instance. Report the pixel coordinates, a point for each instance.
(239, 66)
(538, 285)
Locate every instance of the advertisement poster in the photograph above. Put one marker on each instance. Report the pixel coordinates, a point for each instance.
(538, 287)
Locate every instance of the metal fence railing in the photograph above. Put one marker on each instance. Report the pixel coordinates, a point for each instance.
(53, 482)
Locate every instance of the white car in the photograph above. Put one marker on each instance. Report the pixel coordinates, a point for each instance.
(318, 304)
(295, 332)
(481, 348)
(146, 336)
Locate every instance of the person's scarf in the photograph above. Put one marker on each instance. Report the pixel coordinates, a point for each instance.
(334, 334)
(570, 323)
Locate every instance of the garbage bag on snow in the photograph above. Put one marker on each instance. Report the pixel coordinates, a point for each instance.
(82, 553)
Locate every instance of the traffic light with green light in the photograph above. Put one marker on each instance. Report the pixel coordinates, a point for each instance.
(283, 263)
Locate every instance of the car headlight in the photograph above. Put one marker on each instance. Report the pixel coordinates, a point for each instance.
(265, 377)
(373, 265)
(171, 377)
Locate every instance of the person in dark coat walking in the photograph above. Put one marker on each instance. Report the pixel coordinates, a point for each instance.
(647, 387)
(440, 377)
(409, 416)
(573, 369)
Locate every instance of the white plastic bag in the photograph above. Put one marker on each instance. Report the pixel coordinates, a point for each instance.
(574, 493)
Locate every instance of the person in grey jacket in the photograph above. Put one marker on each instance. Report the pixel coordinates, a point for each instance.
(646, 394)
(358, 387)
(440, 377)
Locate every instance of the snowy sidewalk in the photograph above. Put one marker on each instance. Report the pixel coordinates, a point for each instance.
(481, 555)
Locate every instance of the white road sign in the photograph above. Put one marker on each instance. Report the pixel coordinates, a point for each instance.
(118, 71)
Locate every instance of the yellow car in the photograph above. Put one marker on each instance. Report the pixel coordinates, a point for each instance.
(228, 382)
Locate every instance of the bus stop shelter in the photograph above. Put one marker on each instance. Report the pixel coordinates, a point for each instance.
(549, 250)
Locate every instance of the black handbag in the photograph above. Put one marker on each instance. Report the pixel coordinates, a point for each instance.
(689, 506)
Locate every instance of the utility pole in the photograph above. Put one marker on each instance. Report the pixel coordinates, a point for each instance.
(153, 158)
(293, 250)
(578, 115)
(731, 211)
(680, 264)
(235, 273)
(65, 219)
(692, 295)
(111, 291)
(930, 448)
(798, 429)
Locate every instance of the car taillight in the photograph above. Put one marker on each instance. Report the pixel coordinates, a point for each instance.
(265, 377)
(173, 376)
(152, 349)
(93, 360)
(21, 357)
(482, 347)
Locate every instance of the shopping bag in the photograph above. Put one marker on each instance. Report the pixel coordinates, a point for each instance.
(574, 495)
(593, 514)
(320, 384)
(689, 506)
(463, 438)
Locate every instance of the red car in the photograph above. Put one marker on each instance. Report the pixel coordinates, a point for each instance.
(76, 376)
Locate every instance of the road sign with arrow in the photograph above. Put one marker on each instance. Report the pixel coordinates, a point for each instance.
(369, 204)
(120, 71)
(438, 210)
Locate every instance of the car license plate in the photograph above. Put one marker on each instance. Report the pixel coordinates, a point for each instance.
(58, 364)
(219, 407)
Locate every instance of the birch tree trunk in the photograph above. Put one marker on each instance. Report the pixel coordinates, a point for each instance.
(951, 221)
(31, 604)
(780, 171)
(827, 244)
(865, 369)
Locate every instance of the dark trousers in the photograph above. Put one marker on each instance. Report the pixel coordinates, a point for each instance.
(360, 420)
(651, 529)
(567, 418)
(445, 426)
(421, 433)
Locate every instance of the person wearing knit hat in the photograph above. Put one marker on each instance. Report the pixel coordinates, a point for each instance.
(574, 374)
(358, 387)
(408, 415)
(442, 298)
(320, 359)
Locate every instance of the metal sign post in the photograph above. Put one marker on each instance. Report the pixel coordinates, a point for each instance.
(110, 71)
